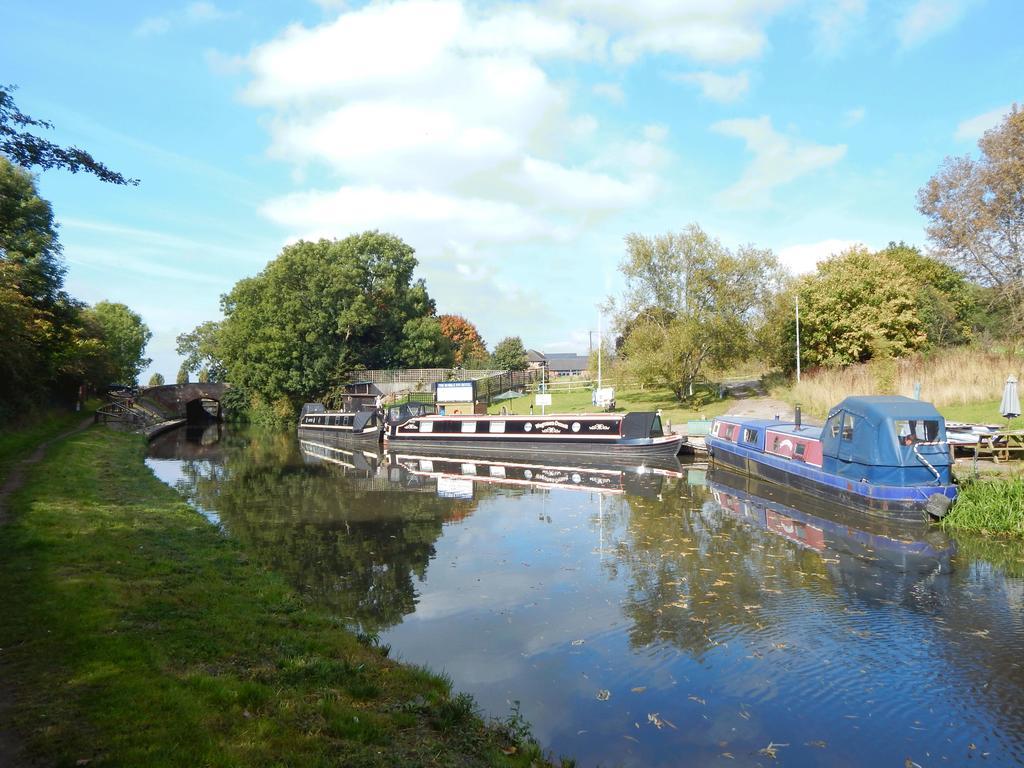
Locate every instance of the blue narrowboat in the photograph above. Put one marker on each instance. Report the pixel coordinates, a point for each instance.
(886, 454)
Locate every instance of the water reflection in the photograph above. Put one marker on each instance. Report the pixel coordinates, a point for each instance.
(655, 616)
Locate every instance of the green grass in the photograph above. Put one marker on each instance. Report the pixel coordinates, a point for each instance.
(989, 506)
(17, 442)
(983, 412)
(625, 400)
(135, 633)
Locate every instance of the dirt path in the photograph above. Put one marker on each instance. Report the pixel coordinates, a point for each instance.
(761, 408)
(10, 743)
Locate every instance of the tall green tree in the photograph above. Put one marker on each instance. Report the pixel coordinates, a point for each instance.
(156, 380)
(947, 302)
(509, 355)
(20, 144)
(124, 336)
(318, 311)
(201, 349)
(424, 344)
(691, 304)
(857, 305)
(975, 212)
(28, 237)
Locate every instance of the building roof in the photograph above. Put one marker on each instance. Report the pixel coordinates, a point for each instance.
(533, 356)
(568, 362)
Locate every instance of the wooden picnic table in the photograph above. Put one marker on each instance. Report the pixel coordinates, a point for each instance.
(1005, 445)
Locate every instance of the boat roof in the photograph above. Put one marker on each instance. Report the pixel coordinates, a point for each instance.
(880, 408)
(787, 427)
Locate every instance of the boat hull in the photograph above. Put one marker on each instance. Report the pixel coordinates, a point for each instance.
(618, 450)
(368, 435)
(902, 502)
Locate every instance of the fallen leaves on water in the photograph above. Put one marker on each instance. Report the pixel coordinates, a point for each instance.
(578, 642)
(908, 763)
(728, 755)
(820, 744)
(631, 738)
(659, 722)
(772, 750)
(639, 689)
(604, 694)
(698, 699)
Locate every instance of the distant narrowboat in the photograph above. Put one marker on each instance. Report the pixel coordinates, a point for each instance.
(887, 454)
(361, 425)
(623, 435)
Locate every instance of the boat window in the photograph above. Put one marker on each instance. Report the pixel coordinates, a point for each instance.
(910, 431)
(656, 428)
(469, 426)
(848, 423)
(799, 450)
(346, 421)
(426, 426)
(749, 435)
(497, 426)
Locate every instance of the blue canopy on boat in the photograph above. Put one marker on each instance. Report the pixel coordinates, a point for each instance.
(887, 440)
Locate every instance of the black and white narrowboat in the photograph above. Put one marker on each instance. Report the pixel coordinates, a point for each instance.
(361, 425)
(636, 435)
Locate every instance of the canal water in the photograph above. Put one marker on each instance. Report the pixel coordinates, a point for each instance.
(667, 616)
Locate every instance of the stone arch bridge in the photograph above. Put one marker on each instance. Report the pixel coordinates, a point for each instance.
(192, 401)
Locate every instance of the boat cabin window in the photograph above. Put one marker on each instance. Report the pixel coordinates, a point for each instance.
(728, 431)
(799, 450)
(469, 426)
(848, 423)
(910, 431)
(749, 435)
(497, 426)
(346, 421)
(834, 424)
(656, 429)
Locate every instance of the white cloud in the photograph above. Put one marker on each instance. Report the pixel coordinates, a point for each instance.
(854, 116)
(202, 11)
(836, 21)
(778, 160)
(927, 18)
(155, 25)
(708, 31)
(440, 123)
(720, 88)
(611, 91)
(802, 258)
(193, 13)
(972, 128)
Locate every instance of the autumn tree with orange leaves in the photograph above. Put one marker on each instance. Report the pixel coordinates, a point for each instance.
(465, 338)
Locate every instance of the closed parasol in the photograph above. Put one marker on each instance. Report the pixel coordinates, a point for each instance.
(1010, 405)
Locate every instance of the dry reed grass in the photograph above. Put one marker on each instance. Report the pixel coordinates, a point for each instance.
(948, 377)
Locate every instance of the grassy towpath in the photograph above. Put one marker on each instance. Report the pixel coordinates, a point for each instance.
(136, 633)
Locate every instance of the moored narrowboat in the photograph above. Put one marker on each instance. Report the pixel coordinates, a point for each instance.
(361, 425)
(886, 454)
(634, 435)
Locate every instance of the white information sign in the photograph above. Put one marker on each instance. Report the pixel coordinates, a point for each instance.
(455, 392)
(543, 399)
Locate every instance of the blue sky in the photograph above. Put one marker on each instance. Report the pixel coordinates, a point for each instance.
(513, 145)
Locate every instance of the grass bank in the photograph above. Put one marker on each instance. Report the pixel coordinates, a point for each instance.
(989, 506)
(949, 378)
(18, 441)
(136, 634)
(626, 399)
